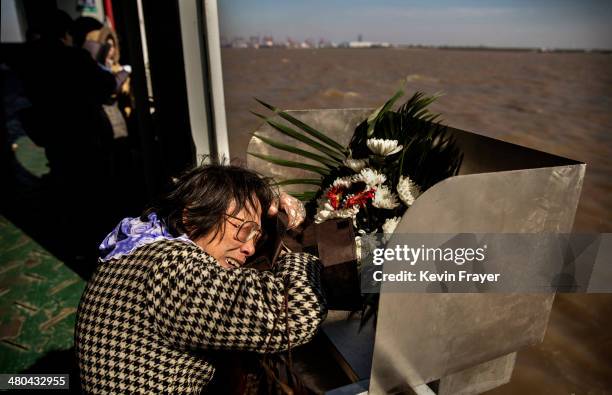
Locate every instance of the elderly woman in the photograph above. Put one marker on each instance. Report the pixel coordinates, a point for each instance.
(171, 289)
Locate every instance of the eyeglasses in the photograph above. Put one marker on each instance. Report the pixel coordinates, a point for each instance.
(247, 231)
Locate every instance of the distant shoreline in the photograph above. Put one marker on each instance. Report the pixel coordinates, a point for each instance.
(446, 48)
(513, 49)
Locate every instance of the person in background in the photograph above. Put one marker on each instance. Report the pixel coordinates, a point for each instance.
(103, 45)
(171, 289)
(67, 90)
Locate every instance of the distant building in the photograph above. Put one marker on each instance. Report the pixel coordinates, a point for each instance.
(268, 42)
(291, 43)
(359, 44)
(323, 43)
(239, 42)
(254, 41)
(367, 44)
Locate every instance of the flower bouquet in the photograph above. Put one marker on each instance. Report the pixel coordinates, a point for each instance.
(393, 156)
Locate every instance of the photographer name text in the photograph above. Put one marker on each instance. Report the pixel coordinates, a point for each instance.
(428, 276)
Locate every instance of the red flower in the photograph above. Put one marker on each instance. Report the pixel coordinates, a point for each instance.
(335, 196)
(360, 198)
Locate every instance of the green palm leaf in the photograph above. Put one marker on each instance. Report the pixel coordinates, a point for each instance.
(380, 111)
(287, 163)
(286, 130)
(300, 181)
(303, 196)
(307, 154)
(307, 128)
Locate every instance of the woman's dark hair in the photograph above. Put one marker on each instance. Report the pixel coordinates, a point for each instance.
(201, 197)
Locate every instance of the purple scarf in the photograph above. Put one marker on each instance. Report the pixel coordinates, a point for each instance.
(132, 233)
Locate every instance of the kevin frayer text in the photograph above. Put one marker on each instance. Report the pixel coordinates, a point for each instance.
(429, 276)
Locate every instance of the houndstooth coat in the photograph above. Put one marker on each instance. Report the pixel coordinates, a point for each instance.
(147, 320)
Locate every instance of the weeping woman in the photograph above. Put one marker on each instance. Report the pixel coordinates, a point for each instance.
(171, 289)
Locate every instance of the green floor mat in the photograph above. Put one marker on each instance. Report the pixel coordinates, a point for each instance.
(39, 296)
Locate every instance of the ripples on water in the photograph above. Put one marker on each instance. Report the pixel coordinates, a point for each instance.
(555, 102)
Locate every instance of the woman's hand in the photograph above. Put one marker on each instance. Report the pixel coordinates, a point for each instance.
(295, 210)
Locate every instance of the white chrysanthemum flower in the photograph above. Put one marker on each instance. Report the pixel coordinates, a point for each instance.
(407, 190)
(384, 147)
(323, 214)
(371, 177)
(327, 206)
(348, 212)
(390, 225)
(355, 164)
(321, 201)
(384, 198)
(343, 182)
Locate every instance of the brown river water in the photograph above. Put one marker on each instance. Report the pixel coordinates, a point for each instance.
(555, 102)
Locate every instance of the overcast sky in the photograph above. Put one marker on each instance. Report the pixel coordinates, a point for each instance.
(509, 23)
